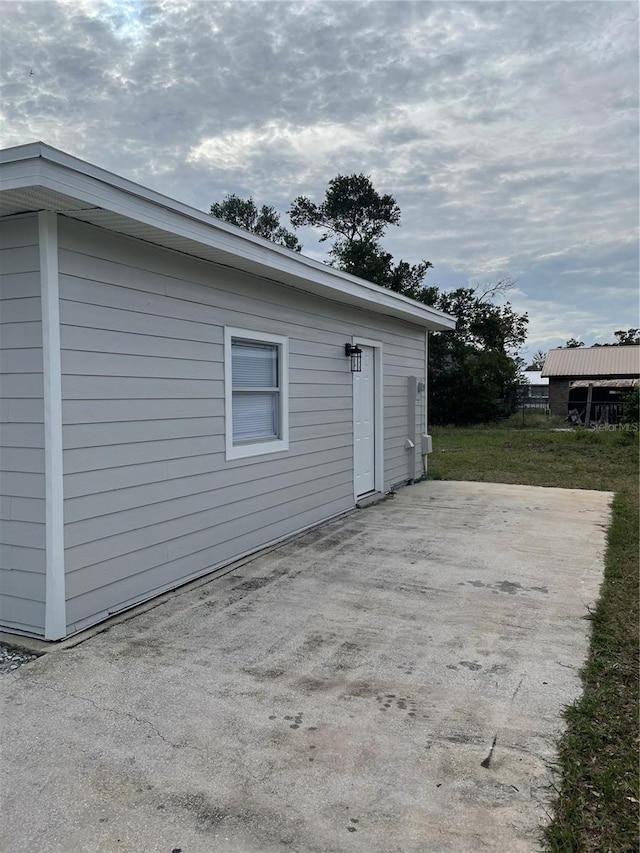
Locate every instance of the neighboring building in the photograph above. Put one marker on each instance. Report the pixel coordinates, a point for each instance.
(536, 391)
(595, 377)
(175, 392)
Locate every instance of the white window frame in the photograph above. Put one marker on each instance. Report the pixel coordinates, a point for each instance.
(257, 448)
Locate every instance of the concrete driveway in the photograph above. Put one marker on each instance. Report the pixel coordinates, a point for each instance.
(340, 693)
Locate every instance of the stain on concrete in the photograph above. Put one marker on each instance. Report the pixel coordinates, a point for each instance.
(510, 587)
(315, 641)
(461, 737)
(308, 685)
(141, 646)
(473, 665)
(347, 656)
(254, 583)
(358, 690)
(264, 674)
(208, 815)
(487, 761)
(402, 703)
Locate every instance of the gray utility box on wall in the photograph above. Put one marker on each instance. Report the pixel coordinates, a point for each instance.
(426, 444)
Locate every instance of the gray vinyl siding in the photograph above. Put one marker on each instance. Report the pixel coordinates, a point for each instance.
(150, 500)
(401, 362)
(22, 490)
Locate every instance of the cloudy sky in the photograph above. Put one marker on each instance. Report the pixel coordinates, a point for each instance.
(507, 131)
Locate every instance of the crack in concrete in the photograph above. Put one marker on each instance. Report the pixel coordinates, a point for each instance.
(116, 711)
(515, 692)
(142, 721)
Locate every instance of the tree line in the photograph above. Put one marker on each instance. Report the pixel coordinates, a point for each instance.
(474, 371)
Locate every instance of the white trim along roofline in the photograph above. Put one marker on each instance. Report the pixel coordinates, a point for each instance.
(79, 190)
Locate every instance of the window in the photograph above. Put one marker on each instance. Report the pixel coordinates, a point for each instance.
(256, 393)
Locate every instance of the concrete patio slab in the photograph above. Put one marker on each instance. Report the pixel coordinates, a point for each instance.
(340, 693)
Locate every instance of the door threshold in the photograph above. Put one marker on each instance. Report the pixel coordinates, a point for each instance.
(369, 498)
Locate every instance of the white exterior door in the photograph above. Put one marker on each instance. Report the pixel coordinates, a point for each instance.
(364, 424)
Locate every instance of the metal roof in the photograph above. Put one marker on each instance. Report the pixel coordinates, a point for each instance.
(37, 177)
(593, 361)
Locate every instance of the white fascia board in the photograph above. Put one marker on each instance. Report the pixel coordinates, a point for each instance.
(23, 152)
(94, 187)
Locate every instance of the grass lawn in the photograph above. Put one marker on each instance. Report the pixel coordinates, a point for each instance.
(596, 809)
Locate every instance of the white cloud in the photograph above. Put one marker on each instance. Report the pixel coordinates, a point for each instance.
(508, 132)
(310, 147)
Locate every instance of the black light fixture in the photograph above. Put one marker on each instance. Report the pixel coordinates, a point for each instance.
(355, 354)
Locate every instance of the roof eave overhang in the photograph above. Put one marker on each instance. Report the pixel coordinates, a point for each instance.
(626, 382)
(83, 192)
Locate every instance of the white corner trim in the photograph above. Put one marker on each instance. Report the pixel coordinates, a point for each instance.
(378, 384)
(55, 624)
(261, 448)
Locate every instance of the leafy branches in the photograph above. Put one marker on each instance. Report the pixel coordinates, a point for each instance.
(264, 222)
(352, 211)
(482, 324)
(355, 217)
(474, 371)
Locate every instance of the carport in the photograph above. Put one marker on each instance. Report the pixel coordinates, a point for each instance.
(390, 681)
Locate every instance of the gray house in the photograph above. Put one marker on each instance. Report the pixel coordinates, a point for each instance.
(177, 393)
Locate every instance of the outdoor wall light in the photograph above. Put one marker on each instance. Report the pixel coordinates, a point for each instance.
(355, 354)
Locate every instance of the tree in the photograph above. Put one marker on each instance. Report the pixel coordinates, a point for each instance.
(628, 337)
(474, 375)
(352, 210)
(264, 222)
(355, 217)
(481, 323)
(469, 386)
(474, 371)
(537, 360)
(574, 343)
(369, 261)
(623, 338)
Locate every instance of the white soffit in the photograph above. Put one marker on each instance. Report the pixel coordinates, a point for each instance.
(35, 198)
(37, 177)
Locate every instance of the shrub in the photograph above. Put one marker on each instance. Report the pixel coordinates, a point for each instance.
(631, 406)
